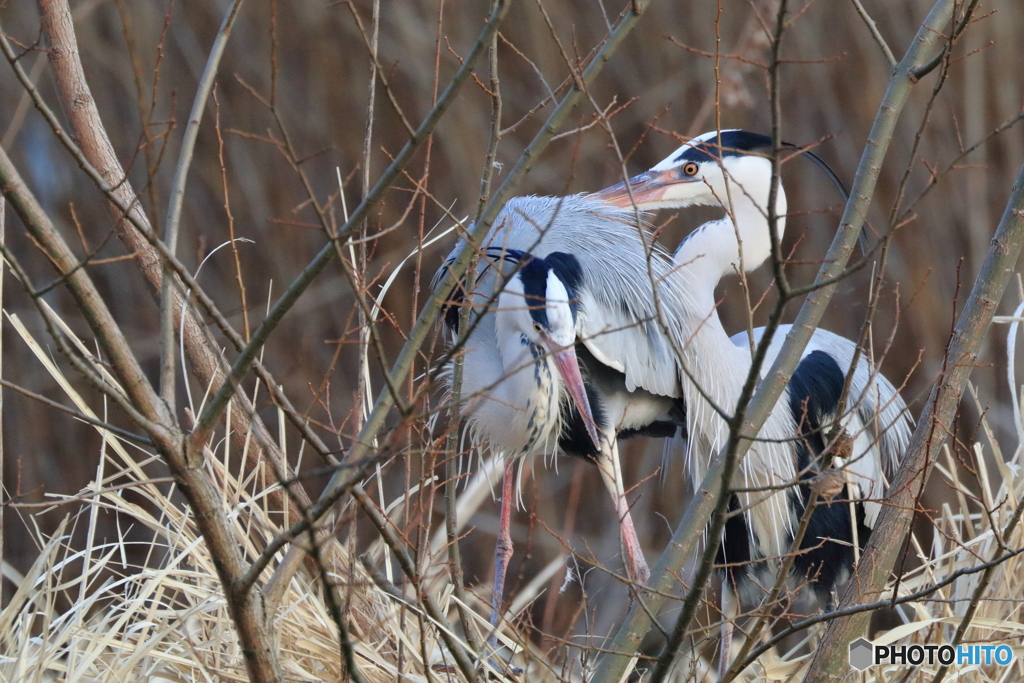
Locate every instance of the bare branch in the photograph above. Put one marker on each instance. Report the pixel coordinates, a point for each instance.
(890, 59)
(611, 667)
(123, 433)
(168, 348)
(316, 266)
(894, 520)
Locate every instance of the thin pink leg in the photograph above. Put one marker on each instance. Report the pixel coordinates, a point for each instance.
(502, 551)
(633, 556)
(636, 564)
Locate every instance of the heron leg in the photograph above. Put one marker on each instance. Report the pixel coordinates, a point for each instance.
(633, 554)
(730, 609)
(502, 551)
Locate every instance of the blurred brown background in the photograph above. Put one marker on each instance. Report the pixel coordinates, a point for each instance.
(830, 93)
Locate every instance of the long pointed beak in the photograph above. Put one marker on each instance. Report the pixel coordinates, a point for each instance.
(647, 188)
(569, 369)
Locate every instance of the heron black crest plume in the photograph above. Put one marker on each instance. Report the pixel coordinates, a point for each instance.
(732, 143)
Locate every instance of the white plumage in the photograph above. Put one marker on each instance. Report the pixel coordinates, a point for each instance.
(654, 353)
(615, 280)
(731, 170)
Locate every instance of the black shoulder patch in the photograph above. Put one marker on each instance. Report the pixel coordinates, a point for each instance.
(567, 268)
(534, 275)
(814, 392)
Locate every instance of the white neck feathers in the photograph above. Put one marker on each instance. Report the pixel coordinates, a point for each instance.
(719, 369)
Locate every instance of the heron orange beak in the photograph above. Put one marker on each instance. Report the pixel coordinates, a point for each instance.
(569, 369)
(646, 188)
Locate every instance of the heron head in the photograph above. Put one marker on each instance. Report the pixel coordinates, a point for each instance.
(549, 287)
(697, 173)
(551, 304)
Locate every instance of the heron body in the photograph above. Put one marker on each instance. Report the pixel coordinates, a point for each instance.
(517, 404)
(731, 169)
(631, 370)
(513, 383)
(603, 273)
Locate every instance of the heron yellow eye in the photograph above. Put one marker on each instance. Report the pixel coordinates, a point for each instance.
(538, 328)
(690, 168)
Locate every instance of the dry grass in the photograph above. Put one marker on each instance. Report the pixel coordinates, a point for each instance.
(166, 620)
(116, 585)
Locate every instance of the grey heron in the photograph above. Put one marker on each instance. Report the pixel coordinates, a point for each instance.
(731, 169)
(554, 272)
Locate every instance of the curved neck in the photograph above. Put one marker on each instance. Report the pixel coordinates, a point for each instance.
(719, 368)
(512, 391)
(523, 361)
(738, 241)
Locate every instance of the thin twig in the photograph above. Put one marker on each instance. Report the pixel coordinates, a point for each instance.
(983, 584)
(895, 517)
(123, 433)
(451, 447)
(188, 143)
(87, 497)
(460, 264)
(409, 568)
(315, 267)
(108, 176)
(890, 59)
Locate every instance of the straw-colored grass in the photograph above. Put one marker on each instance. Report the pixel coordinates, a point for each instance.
(166, 619)
(85, 612)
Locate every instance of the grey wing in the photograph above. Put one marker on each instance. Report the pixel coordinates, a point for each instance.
(880, 425)
(878, 402)
(621, 327)
(618, 319)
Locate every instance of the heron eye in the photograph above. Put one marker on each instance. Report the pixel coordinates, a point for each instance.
(538, 328)
(690, 168)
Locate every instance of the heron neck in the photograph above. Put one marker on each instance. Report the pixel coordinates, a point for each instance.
(740, 240)
(527, 392)
(719, 368)
(528, 370)
(707, 254)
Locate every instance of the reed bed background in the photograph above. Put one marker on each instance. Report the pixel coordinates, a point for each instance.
(105, 576)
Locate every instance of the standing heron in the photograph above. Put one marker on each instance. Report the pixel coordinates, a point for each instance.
(555, 273)
(731, 169)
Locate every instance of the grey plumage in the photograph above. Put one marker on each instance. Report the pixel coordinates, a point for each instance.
(618, 310)
(626, 303)
(876, 416)
(730, 169)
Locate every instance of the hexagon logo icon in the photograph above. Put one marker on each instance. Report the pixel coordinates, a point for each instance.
(860, 654)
